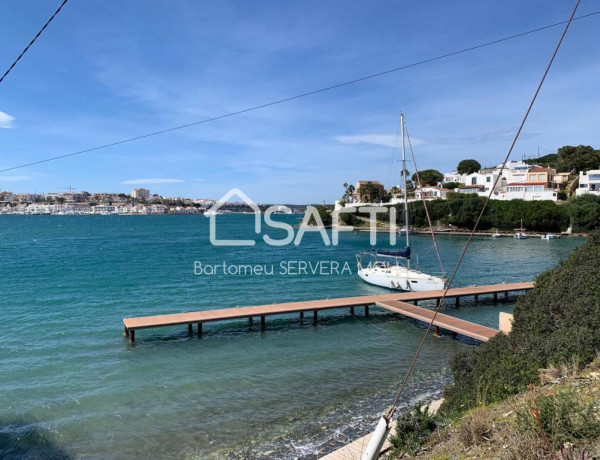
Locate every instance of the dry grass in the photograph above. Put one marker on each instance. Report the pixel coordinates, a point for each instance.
(493, 432)
(476, 429)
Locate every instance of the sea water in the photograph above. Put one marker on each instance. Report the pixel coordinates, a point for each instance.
(72, 386)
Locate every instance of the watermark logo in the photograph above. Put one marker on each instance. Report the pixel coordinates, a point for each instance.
(284, 268)
(311, 222)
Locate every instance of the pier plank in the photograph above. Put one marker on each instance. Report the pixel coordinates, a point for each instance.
(460, 326)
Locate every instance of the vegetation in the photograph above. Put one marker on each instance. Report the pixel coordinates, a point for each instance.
(560, 416)
(557, 420)
(451, 185)
(584, 212)
(428, 177)
(324, 214)
(580, 158)
(461, 210)
(469, 166)
(546, 160)
(556, 322)
(569, 158)
(412, 430)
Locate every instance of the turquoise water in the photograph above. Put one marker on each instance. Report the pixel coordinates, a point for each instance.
(71, 386)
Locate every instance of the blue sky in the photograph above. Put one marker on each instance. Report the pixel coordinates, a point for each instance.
(106, 71)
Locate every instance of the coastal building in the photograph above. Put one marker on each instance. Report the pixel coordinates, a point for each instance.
(528, 191)
(7, 197)
(589, 182)
(539, 175)
(156, 209)
(454, 176)
(104, 209)
(367, 191)
(140, 193)
(478, 189)
(432, 193)
(485, 179)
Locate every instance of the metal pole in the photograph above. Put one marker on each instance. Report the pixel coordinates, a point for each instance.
(404, 185)
(377, 440)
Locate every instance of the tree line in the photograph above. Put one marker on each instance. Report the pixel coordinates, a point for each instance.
(460, 211)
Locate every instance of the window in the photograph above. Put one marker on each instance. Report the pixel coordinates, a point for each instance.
(542, 177)
(488, 179)
(473, 181)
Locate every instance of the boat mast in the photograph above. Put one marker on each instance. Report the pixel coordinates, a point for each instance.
(404, 186)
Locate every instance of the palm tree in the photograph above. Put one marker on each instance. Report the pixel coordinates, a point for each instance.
(345, 191)
(350, 191)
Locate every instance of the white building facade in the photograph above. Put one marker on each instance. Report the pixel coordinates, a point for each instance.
(589, 183)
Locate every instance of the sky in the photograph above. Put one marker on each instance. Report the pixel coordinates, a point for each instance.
(107, 71)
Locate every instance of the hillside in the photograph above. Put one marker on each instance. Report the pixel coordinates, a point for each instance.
(566, 406)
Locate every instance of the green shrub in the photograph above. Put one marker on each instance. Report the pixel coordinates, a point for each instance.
(563, 417)
(554, 323)
(585, 212)
(413, 430)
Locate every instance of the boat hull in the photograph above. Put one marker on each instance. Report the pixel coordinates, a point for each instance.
(401, 279)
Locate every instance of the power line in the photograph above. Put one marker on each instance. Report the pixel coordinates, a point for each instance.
(391, 410)
(33, 41)
(299, 96)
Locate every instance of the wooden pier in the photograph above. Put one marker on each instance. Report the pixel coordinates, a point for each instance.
(396, 302)
(450, 323)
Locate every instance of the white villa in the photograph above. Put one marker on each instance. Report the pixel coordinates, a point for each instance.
(432, 193)
(589, 182)
(518, 180)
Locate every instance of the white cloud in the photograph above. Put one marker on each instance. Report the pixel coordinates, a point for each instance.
(152, 181)
(14, 178)
(388, 140)
(6, 121)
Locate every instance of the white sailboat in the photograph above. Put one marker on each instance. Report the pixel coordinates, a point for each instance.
(391, 268)
(520, 232)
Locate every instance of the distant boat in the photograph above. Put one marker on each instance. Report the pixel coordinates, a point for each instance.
(402, 231)
(212, 212)
(520, 232)
(496, 235)
(550, 236)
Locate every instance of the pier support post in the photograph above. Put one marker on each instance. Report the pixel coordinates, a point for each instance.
(315, 316)
(190, 329)
(436, 331)
(476, 297)
(301, 317)
(506, 294)
(366, 310)
(126, 331)
(262, 322)
(415, 302)
(457, 302)
(250, 320)
(351, 311)
(495, 297)
(132, 336)
(199, 330)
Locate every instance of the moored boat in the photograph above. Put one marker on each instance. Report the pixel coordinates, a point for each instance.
(391, 269)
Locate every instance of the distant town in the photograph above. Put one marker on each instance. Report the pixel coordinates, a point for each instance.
(139, 202)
